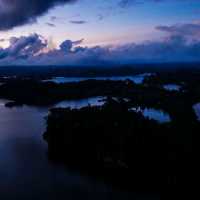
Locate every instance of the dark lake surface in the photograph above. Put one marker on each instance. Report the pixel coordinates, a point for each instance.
(26, 173)
(154, 114)
(172, 87)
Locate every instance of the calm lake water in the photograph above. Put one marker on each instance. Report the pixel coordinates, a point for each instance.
(196, 108)
(26, 173)
(138, 79)
(151, 113)
(93, 101)
(172, 87)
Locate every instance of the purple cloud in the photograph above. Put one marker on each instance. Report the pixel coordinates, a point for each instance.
(29, 50)
(190, 31)
(23, 47)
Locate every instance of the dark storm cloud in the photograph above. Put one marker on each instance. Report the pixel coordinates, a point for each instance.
(18, 12)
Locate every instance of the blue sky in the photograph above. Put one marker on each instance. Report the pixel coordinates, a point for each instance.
(108, 23)
(138, 30)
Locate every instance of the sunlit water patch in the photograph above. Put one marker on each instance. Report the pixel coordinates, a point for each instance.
(80, 103)
(172, 87)
(196, 108)
(92, 101)
(155, 114)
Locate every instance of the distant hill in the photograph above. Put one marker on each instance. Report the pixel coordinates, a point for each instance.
(95, 70)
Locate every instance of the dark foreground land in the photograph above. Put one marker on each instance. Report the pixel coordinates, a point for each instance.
(114, 142)
(124, 148)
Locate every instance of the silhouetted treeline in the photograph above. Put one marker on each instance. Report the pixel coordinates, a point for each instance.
(150, 94)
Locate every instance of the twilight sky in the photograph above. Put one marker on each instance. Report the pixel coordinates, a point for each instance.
(89, 32)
